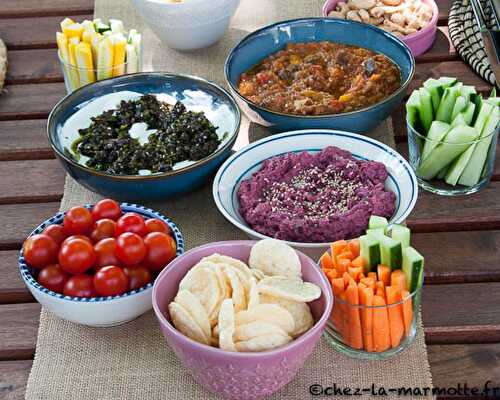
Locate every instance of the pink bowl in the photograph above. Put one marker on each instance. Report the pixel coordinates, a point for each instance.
(418, 42)
(238, 375)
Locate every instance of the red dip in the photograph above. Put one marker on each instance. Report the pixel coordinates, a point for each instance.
(315, 197)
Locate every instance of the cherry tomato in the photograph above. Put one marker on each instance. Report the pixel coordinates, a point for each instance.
(80, 286)
(138, 276)
(40, 251)
(105, 253)
(83, 237)
(161, 250)
(53, 278)
(103, 228)
(130, 248)
(157, 225)
(106, 208)
(130, 222)
(110, 281)
(78, 221)
(56, 232)
(76, 256)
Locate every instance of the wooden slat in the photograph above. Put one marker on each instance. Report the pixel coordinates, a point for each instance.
(441, 50)
(18, 220)
(24, 140)
(41, 8)
(34, 66)
(33, 32)
(444, 10)
(42, 181)
(13, 379)
(18, 330)
(12, 288)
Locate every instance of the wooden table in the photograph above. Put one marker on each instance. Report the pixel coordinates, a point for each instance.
(460, 237)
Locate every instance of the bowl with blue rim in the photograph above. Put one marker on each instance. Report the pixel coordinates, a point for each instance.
(266, 41)
(76, 112)
(241, 166)
(96, 311)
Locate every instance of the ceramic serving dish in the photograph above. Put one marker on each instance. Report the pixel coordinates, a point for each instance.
(238, 375)
(197, 94)
(402, 180)
(270, 39)
(418, 42)
(96, 311)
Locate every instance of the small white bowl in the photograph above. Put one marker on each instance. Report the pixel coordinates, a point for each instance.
(97, 311)
(241, 165)
(190, 24)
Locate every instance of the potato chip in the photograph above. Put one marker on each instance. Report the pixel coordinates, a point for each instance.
(202, 282)
(238, 295)
(257, 274)
(256, 328)
(253, 295)
(289, 289)
(268, 313)
(263, 343)
(185, 324)
(226, 325)
(222, 259)
(193, 306)
(300, 312)
(274, 257)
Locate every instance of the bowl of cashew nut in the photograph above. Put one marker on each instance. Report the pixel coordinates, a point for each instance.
(413, 21)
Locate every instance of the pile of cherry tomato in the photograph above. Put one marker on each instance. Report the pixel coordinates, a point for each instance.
(100, 252)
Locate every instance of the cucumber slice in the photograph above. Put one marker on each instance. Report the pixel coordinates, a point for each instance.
(459, 106)
(425, 112)
(370, 251)
(443, 154)
(473, 170)
(437, 132)
(391, 252)
(402, 234)
(413, 268)
(378, 222)
(376, 232)
(413, 111)
(444, 112)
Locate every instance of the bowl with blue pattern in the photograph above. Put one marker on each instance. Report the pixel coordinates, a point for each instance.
(401, 179)
(197, 94)
(96, 311)
(260, 44)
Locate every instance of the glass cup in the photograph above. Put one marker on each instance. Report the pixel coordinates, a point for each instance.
(76, 77)
(465, 168)
(373, 332)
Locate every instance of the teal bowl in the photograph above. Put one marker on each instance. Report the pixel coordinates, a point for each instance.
(270, 39)
(196, 93)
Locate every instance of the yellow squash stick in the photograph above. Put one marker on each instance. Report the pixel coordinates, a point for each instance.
(119, 44)
(105, 58)
(96, 38)
(73, 30)
(66, 22)
(62, 44)
(72, 43)
(85, 63)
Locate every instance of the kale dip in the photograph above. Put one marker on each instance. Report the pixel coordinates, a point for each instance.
(315, 197)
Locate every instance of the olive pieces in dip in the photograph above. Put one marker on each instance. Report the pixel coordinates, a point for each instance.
(315, 197)
(320, 78)
(178, 135)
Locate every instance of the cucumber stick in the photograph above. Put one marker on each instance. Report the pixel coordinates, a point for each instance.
(413, 268)
(413, 111)
(460, 105)
(437, 132)
(444, 112)
(402, 234)
(378, 222)
(457, 141)
(425, 112)
(458, 120)
(468, 113)
(376, 232)
(495, 101)
(391, 252)
(436, 88)
(370, 251)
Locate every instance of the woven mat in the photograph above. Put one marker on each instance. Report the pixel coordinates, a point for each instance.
(132, 361)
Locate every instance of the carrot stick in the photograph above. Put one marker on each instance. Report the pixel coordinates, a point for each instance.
(348, 279)
(380, 292)
(395, 314)
(361, 276)
(355, 272)
(342, 265)
(346, 329)
(331, 274)
(346, 254)
(338, 247)
(384, 274)
(366, 299)
(407, 311)
(354, 247)
(354, 318)
(368, 282)
(337, 312)
(326, 261)
(381, 329)
(372, 275)
(359, 262)
(398, 278)
(380, 289)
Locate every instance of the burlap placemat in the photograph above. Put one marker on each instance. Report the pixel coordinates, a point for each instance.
(133, 361)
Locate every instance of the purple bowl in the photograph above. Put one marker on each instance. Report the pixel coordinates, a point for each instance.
(418, 42)
(238, 375)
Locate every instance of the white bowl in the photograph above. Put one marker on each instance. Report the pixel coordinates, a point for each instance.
(241, 165)
(189, 25)
(97, 311)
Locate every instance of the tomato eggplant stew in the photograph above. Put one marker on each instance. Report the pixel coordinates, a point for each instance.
(320, 78)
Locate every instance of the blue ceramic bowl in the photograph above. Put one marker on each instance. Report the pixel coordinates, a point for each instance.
(268, 40)
(196, 93)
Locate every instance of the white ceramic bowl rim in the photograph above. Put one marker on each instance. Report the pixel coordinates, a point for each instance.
(382, 146)
(29, 279)
(296, 343)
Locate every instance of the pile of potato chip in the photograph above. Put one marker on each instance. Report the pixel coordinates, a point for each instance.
(225, 303)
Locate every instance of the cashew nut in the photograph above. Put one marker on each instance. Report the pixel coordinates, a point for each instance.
(363, 4)
(377, 12)
(392, 2)
(364, 15)
(376, 21)
(336, 14)
(398, 19)
(343, 7)
(353, 15)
